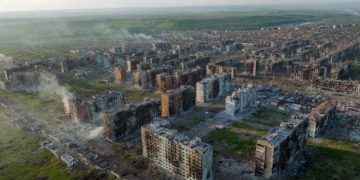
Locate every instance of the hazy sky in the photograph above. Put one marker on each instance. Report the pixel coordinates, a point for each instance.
(19, 5)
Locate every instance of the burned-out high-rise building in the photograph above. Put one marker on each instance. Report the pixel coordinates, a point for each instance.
(120, 74)
(76, 109)
(320, 116)
(276, 151)
(127, 120)
(178, 100)
(212, 88)
(106, 103)
(176, 153)
(241, 100)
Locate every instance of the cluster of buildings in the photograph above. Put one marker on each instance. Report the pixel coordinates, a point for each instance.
(195, 71)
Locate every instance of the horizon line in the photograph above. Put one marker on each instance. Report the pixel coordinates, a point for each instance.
(182, 6)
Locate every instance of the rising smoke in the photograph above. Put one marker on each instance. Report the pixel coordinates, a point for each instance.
(352, 12)
(96, 133)
(6, 62)
(49, 86)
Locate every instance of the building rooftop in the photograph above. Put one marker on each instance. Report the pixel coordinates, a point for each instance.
(279, 134)
(171, 134)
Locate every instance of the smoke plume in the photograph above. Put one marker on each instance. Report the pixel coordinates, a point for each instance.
(49, 86)
(6, 62)
(96, 133)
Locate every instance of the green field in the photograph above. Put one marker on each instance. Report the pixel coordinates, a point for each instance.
(267, 117)
(185, 124)
(238, 141)
(332, 160)
(22, 158)
(47, 108)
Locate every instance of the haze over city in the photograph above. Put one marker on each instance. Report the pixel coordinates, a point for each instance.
(179, 89)
(33, 5)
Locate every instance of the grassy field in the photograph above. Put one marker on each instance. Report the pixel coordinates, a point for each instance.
(47, 108)
(22, 158)
(267, 117)
(238, 141)
(332, 160)
(185, 124)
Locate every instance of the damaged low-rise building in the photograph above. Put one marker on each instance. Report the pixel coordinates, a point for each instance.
(241, 100)
(176, 153)
(23, 79)
(320, 116)
(337, 86)
(281, 147)
(212, 88)
(176, 101)
(127, 120)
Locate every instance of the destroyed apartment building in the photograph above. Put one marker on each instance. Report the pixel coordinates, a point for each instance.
(281, 147)
(176, 101)
(147, 79)
(23, 79)
(80, 110)
(212, 88)
(106, 103)
(127, 120)
(166, 81)
(241, 100)
(176, 153)
(337, 86)
(304, 72)
(320, 116)
(76, 109)
(120, 74)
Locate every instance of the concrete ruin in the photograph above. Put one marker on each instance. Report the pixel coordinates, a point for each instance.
(241, 100)
(166, 81)
(147, 79)
(320, 116)
(337, 86)
(176, 153)
(120, 74)
(106, 103)
(276, 151)
(127, 120)
(213, 88)
(305, 72)
(22, 79)
(76, 109)
(176, 101)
